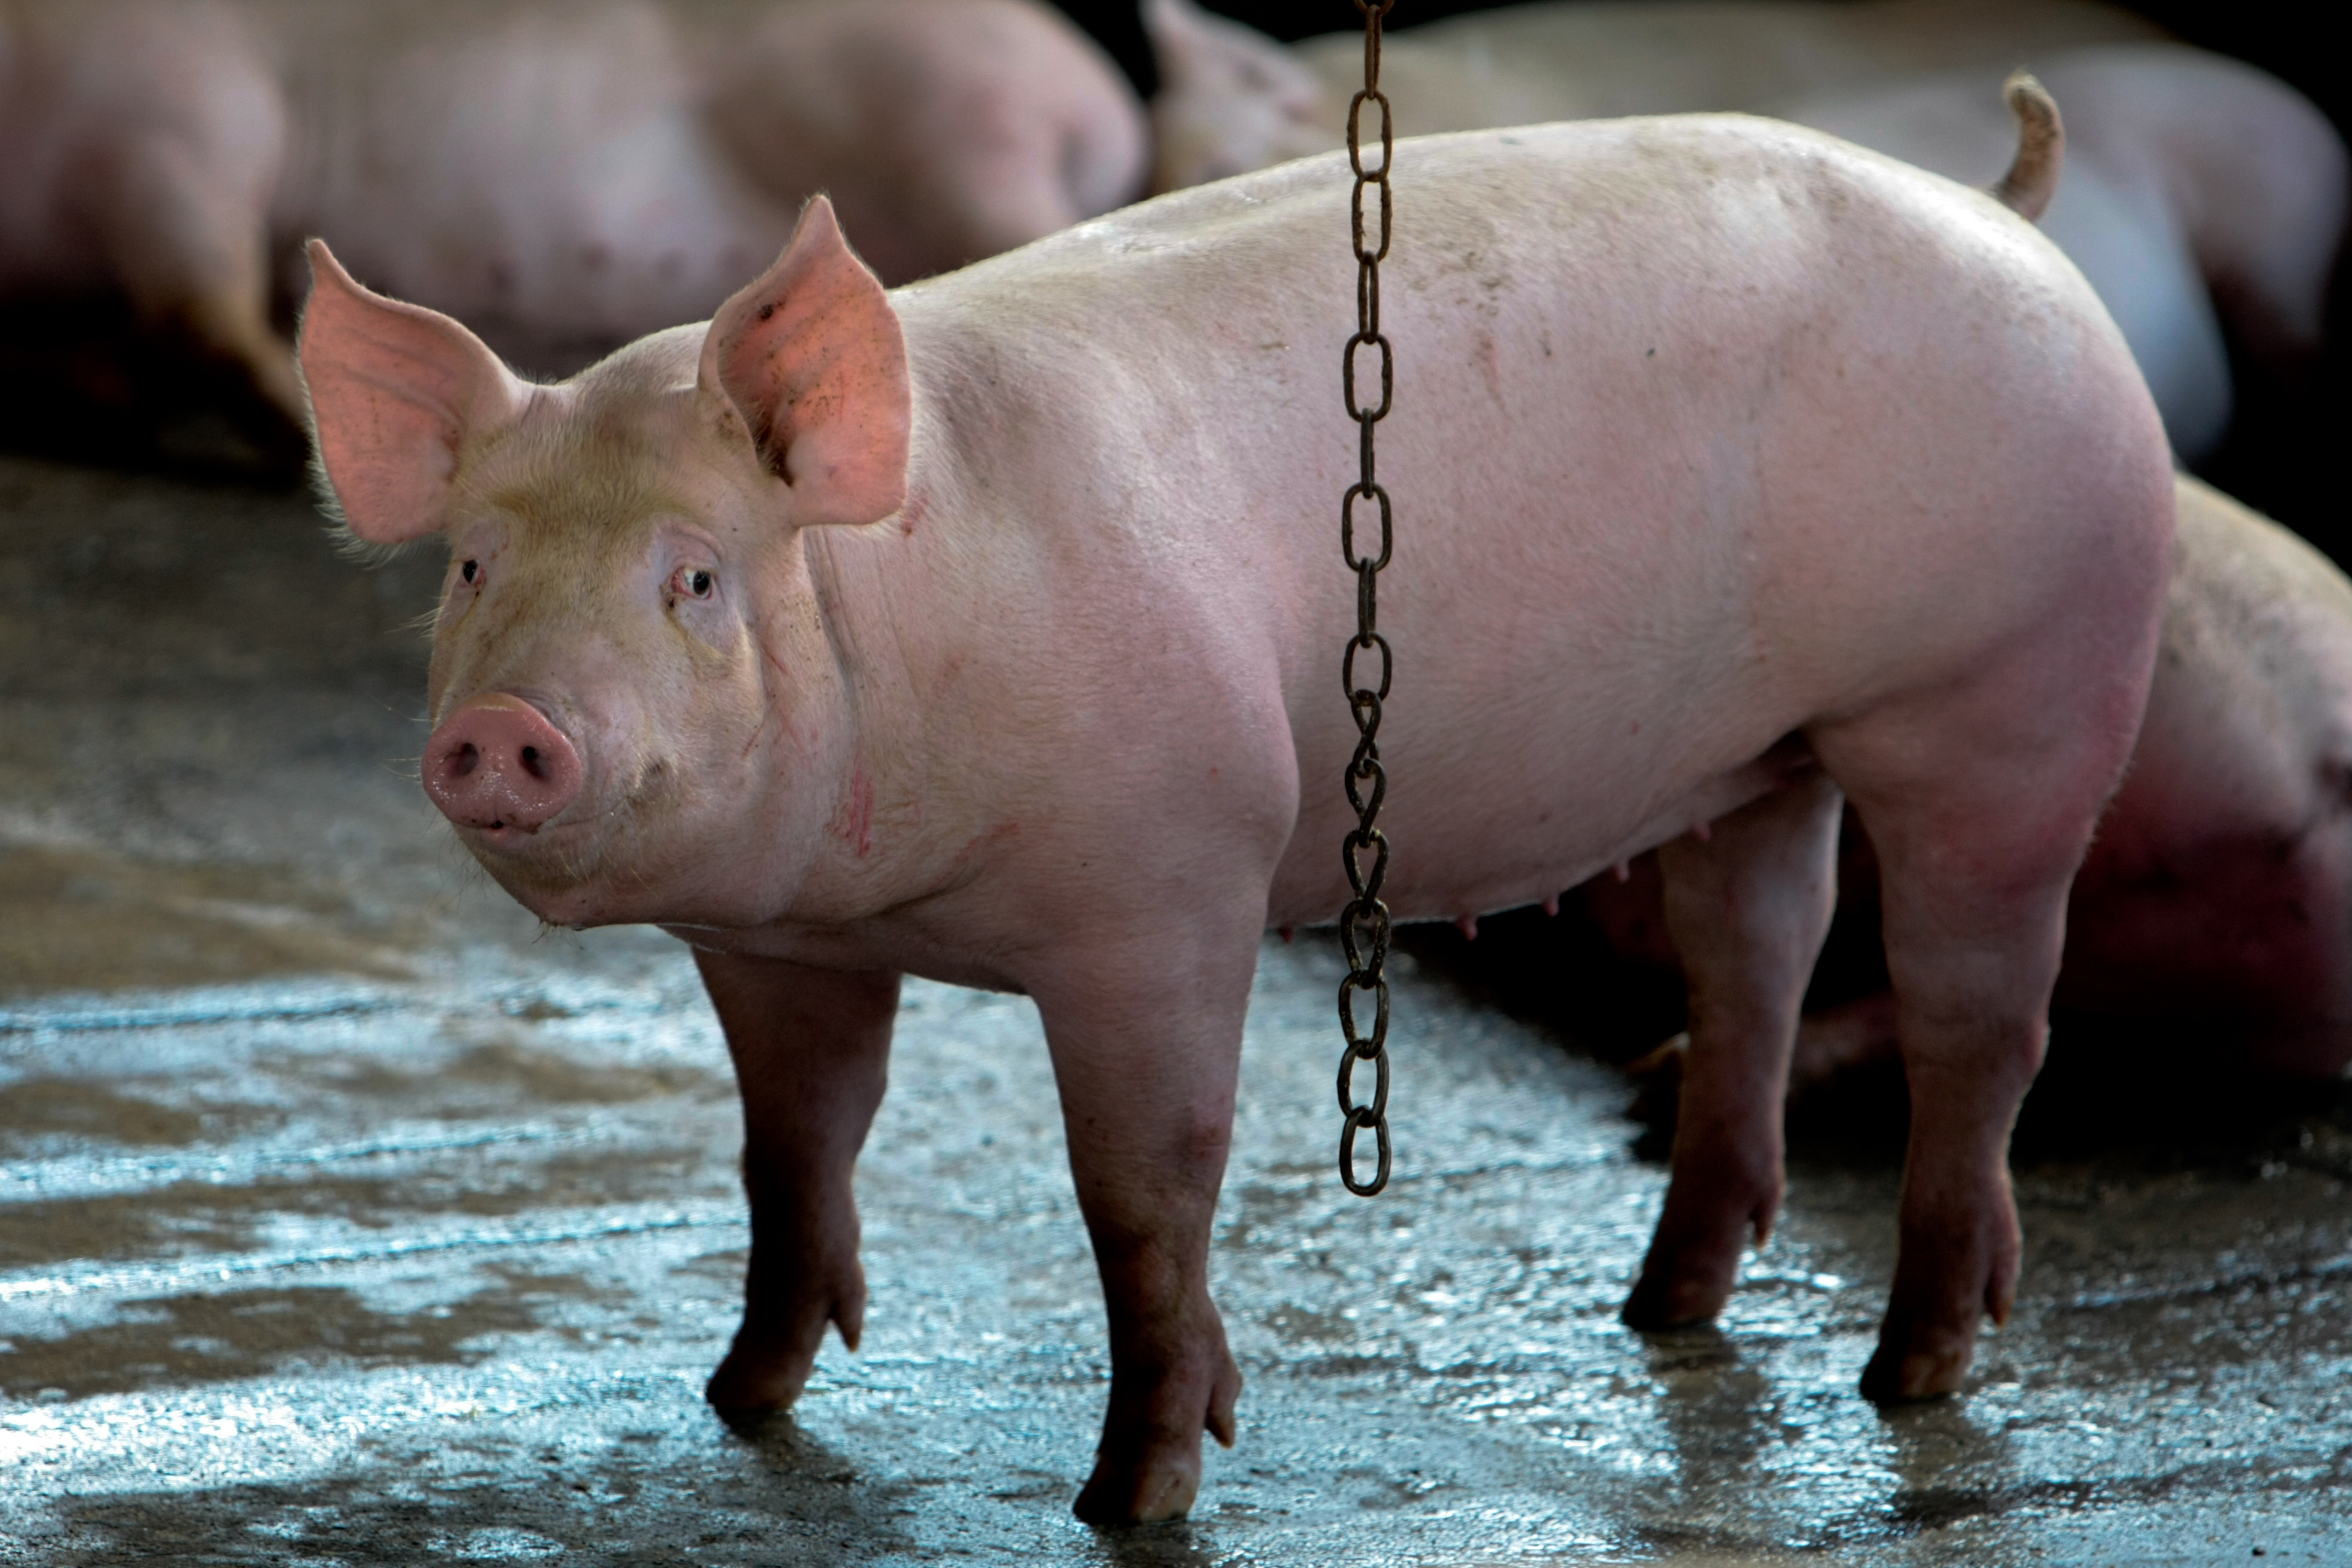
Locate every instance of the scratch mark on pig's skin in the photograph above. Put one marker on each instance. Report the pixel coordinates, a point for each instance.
(854, 823)
(912, 513)
(1490, 365)
(784, 677)
(979, 841)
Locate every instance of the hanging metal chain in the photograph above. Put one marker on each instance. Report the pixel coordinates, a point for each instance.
(1364, 924)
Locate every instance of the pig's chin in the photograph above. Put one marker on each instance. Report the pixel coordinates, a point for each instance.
(607, 893)
(619, 865)
(568, 872)
(560, 872)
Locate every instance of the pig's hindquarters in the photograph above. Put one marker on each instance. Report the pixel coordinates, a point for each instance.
(1813, 447)
(548, 174)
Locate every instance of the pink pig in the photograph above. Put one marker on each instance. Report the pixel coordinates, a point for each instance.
(568, 175)
(986, 629)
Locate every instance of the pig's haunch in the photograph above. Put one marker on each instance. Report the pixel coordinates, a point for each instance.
(1748, 474)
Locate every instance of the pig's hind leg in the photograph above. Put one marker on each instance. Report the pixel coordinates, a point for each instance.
(1747, 908)
(1979, 798)
(812, 1051)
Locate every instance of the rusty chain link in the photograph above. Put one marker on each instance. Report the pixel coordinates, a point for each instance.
(1364, 924)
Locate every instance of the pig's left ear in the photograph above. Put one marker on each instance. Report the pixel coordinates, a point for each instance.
(811, 357)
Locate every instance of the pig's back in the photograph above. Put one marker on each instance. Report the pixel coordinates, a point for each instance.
(1705, 427)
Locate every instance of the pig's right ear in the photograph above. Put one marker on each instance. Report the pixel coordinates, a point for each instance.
(395, 388)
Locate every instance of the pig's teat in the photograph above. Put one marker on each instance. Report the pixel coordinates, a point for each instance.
(498, 764)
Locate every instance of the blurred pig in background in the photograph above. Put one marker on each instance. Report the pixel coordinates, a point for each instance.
(1232, 99)
(2215, 907)
(566, 176)
(2200, 195)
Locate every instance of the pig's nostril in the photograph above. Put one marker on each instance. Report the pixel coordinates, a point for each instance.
(533, 763)
(465, 760)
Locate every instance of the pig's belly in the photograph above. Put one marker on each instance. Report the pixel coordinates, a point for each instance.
(566, 260)
(553, 191)
(1482, 830)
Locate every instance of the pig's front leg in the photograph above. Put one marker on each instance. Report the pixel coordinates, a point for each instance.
(812, 1051)
(1146, 1039)
(1747, 908)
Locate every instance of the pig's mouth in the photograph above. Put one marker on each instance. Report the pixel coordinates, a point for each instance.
(570, 870)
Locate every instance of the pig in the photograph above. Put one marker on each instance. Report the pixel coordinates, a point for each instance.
(568, 176)
(1232, 99)
(2201, 192)
(984, 629)
(2217, 896)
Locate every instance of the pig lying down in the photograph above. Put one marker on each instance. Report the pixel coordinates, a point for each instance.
(986, 630)
(567, 176)
(2216, 898)
(2199, 193)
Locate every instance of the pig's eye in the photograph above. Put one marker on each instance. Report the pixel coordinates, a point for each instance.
(471, 571)
(694, 582)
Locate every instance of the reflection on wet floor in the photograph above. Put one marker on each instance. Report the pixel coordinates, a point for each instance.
(347, 1217)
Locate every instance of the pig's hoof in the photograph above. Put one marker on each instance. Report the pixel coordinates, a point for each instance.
(1897, 1376)
(1161, 1491)
(1691, 1264)
(747, 1390)
(755, 1426)
(1662, 1301)
(1149, 1466)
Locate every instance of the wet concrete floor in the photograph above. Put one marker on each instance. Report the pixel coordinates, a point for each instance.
(347, 1217)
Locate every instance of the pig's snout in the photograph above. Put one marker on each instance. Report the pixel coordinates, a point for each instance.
(497, 763)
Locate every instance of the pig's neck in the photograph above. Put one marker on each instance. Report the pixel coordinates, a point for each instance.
(875, 869)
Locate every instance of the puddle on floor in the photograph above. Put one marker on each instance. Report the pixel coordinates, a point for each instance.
(48, 1107)
(82, 919)
(507, 1070)
(179, 1340)
(198, 1216)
